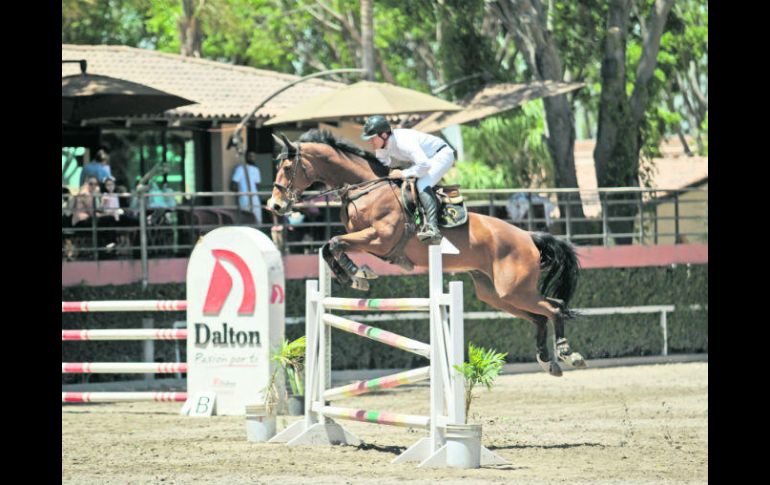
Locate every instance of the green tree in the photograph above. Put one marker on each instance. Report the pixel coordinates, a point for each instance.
(622, 117)
(514, 145)
(120, 22)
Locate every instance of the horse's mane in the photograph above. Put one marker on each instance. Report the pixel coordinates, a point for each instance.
(341, 145)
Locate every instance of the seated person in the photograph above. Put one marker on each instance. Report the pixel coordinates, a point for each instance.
(86, 203)
(110, 200)
(67, 203)
(112, 213)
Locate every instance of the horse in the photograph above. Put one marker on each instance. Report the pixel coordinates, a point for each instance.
(504, 261)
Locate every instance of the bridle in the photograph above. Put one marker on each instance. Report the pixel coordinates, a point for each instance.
(291, 193)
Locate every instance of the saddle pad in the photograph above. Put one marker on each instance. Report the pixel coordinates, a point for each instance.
(452, 210)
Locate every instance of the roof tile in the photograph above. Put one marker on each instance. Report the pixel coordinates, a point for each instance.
(221, 90)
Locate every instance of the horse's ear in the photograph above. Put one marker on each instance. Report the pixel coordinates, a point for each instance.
(284, 148)
(288, 144)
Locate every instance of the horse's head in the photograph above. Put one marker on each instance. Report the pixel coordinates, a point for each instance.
(293, 176)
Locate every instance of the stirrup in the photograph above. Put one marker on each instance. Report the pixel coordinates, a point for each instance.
(431, 234)
(359, 284)
(365, 272)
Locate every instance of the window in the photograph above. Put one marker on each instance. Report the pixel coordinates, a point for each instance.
(134, 152)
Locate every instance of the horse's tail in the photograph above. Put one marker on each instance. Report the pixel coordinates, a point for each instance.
(561, 266)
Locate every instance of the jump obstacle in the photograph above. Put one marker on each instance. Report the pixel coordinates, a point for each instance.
(123, 334)
(235, 315)
(444, 351)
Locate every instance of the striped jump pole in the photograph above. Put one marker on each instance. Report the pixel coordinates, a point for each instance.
(128, 334)
(123, 396)
(124, 334)
(377, 417)
(124, 306)
(377, 334)
(444, 352)
(379, 304)
(123, 367)
(385, 382)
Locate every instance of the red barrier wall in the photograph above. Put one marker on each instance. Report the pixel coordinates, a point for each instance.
(306, 266)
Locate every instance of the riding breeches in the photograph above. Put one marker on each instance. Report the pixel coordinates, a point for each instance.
(439, 165)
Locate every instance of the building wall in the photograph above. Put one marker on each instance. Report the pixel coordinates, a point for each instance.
(223, 162)
(691, 205)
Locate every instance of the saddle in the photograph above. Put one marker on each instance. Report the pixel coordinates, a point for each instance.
(452, 210)
(452, 213)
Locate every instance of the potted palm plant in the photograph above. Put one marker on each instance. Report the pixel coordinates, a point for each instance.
(464, 440)
(260, 418)
(291, 358)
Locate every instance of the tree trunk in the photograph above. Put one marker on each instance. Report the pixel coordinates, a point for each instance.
(190, 35)
(616, 156)
(367, 35)
(613, 104)
(526, 21)
(440, 23)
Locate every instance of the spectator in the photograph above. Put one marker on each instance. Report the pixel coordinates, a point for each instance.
(67, 203)
(110, 200)
(86, 203)
(518, 208)
(118, 214)
(124, 202)
(99, 167)
(238, 184)
(156, 200)
(169, 199)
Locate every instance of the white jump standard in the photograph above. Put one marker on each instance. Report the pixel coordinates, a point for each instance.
(235, 315)
(445, 351)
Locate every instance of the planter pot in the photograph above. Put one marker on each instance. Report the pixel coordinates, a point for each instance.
(463, 443)
(296, 405)
(260, 425)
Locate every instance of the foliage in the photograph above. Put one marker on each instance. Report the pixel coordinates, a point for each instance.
(121, 22)
(291, 358)
(513, 146)
(424, 44)
(483, 367)
(270, 391)
(477, 175)
(464, 49)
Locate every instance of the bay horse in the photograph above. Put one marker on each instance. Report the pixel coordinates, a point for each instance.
(505, 262)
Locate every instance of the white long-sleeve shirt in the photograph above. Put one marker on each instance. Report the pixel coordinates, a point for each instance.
(410, 146)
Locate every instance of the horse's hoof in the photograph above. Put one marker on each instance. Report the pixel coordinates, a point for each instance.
(366, 272)
(554, 370)
(577, 361)
(551, 366)
(359, 284)
(573, 359)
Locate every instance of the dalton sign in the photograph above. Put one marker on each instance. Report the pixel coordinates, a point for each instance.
(235, 316)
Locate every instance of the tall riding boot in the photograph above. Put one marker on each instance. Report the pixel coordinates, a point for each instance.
(430, 231)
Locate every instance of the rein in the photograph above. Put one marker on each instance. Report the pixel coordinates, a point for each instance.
(294, 196)
(346, 188)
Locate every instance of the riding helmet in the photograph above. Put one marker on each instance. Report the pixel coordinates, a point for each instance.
(374, 126)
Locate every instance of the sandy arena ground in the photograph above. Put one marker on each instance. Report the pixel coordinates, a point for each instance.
(639, 425)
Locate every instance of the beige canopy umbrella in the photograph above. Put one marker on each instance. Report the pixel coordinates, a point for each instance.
(492, 100)
(363, 99)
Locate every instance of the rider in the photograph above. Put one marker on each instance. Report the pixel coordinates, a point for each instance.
(431, 158)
